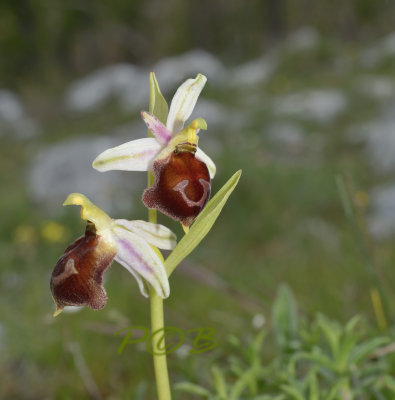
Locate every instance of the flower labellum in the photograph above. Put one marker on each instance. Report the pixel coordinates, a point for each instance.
(77, 277)
(182, 185)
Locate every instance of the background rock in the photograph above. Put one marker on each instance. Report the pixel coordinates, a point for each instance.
(66, 167)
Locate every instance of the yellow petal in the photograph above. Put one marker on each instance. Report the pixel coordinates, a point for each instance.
(58, 311)
(187, 135)
(89, 211)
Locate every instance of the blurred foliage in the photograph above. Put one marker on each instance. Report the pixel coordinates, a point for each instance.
(41, 37)
(322, 360)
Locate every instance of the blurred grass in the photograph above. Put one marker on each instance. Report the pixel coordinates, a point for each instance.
(262, 238)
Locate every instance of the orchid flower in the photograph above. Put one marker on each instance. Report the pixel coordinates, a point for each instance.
(77, 277)
(182, 171)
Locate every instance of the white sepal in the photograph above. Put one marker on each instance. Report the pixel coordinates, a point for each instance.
(162, 134)
(136, 155)
(140, 281)
(136, 255)
(202, 156)
(155, 234)
(184, 102)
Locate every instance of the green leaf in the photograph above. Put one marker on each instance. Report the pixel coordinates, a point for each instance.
(335, 389)
(238, 388)
(320, 360)
(346, 345)
(202, 224)
(219, 382)
(285, 316)
(157, 103)
(192, 388)
(314, 389)
(269, 397)
(292, 392)
(158, 107)
(352, 323)
(364, 349)
(256, 348)
(389, 383)
(332, 333)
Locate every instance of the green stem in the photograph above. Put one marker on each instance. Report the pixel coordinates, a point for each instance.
(160, 360)
(157, 324)
(158, 106)
(151, 211)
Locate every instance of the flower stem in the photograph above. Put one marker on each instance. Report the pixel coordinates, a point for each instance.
(157, 324)
(158, 106)
(160, 360)
(151, 211)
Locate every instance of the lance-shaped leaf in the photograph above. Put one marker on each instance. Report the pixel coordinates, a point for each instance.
(157, 103)
(202, 224)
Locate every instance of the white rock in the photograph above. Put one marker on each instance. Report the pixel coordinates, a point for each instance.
(381, 50)
(304, 38)
(124, 82)
(217, 117)
(261, 69)
(183, 351)
(11, 109)
(214, 113)
(381, 221)
(130, 85)
(288, 135)
(379, 137)
(388, 44)
(172, 71)
(377, 87)
(13, 118)
(253, 72)
(66, 167)
(258, 321)
(320, 105)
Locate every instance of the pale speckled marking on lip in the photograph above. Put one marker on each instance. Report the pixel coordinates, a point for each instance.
(180, 187)
(68, 270)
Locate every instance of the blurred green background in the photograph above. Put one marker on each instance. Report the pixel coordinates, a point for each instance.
(298, 93)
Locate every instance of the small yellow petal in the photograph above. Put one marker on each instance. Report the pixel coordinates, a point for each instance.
(89, 211)
(187, 135)
(198, 123)
(57, 312)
